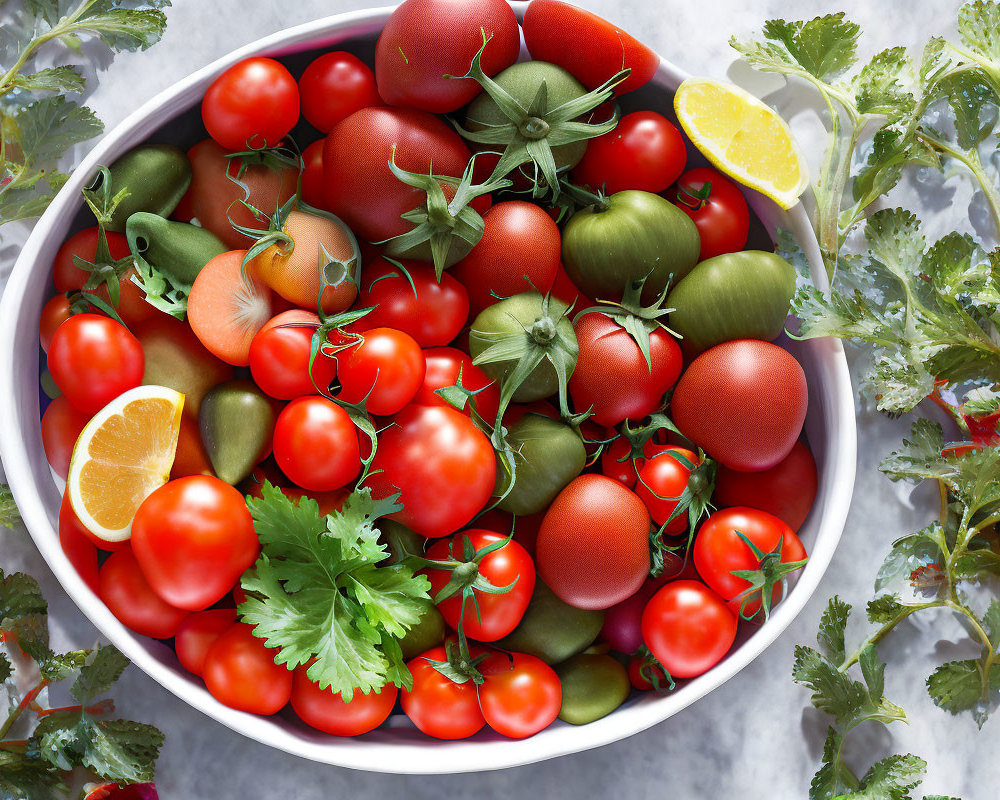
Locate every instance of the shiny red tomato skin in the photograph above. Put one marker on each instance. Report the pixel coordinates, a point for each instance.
(240, 672)
(79, 550)
(70, 527)
(645, 151)
(93, 359)
(333, 87)
(197, 633)
(316, 444)
(610, 357)
(313, 186)
(593, 544)
(54, 313)
(413, 57)
(432, 312)
(498, 614)
(443, 367)
(667, 477)
(723, 219)
(385, 370)
(61, 427)
(326, 711)
(193, 538)
(126, 592)
(279, 357)
(787, 490)
(253, 103)
(437, 705)
(688, 628)
(443, 465)
(521, 694)
(66, 275)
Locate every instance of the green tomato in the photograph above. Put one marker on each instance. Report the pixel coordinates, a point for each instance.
(551, 629)
(592, 687)
(548, 454)
(427, 634)
(177, 249)
(156, 177)
(237, 422)
(400, 541)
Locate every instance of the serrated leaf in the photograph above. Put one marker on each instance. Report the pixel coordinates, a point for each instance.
(6, 669)
(9, 515)
(59, 666)
(20, 596)
(991, 621)
(823, 47)
(958, 686)
(884, 608)
(913, 568)
(100, 672)
(920, 456)
(23, 778)
(832, 626)
(873, 670)
(892, 778)
(979, 27)
(47, 128)
(881, 85)
(834, 778)
(51, 79)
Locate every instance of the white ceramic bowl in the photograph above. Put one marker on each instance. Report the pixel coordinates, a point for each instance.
(397, 746)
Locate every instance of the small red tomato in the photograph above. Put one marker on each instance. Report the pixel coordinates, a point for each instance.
(437, 705)
(61, 427)
(79, 549)
(54, 313)
(198, 633)
(253, 104)
(279, 357)
(126, 592)
(240, 672)
(66, 275)
(443, 367)
(664, 477)
(641, 669)
(718, 209)
(316, 444)
(384, 369)
(328, 712)
(70, 527)
(313, 187)
(521, 694)
(334, 86)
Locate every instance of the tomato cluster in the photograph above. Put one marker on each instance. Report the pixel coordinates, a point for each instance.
(493, 351)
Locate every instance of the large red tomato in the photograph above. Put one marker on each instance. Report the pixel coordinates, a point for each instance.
(425, 41)
(744, 402)
(240, 672)
(521, 694)
(443, 367)
(326, 711)
(437, 705)
(126, 592)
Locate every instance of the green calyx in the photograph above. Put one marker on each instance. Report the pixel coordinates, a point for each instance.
(103, 269)
(771, 570)
(653, 671)
(459, 666)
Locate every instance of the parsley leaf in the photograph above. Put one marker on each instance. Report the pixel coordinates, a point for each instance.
(823, 47)
(881, 85)
(958, 686)
(979, 27)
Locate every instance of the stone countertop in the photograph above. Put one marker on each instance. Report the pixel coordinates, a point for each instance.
(757, 735)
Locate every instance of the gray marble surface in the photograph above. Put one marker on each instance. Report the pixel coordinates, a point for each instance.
(754, 737)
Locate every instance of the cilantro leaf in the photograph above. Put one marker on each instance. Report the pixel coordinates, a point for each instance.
(47, 128)
(121, 24)
(958, 686)
(884, 608)
(834, 778)
(979, 27)
(880, 86)
(892, 778)
(920, 455)
(911, 570)
(52, 79)
(20, 596)
(832, 626)
(823, 47)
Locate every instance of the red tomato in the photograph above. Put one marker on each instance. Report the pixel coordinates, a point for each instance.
(611, 374)
(591, 48)
(66, 275)
(638, 670)
(442, 464)
(564, 289)
(521, 695)
(661, 478)
(385, 370)
(313, 187)
(79, 549)
(718, 550)
(253, 104)
(718, 209)
(54, 313)
(191, 457)
(334, 86)
(787, 490)
(437, 705)
(94, 359)
(316, 444)
(490, 616)
(432, 312)
(645, 151)
(194, 537)
(443, 367)
(519, 251)
(70, 528)
(622, 628)
(240, 672)
(126, 592)
(593, 545)
(743, 402)
(688, 628)
(326, 711)
(279, 357)
(425, 41)
(626, 471)
(61, 427)
(198, 633)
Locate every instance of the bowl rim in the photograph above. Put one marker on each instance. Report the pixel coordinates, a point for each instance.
(415, 754)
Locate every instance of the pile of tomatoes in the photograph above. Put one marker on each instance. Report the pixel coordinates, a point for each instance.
(586, 364)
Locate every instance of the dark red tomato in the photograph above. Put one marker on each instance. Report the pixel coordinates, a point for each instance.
(71, 528)
(443, 367)
(432, 312)
(443, 465)
(718, 550)
(279, 357)
(626, 471)
(333, 87)
(326, 711)
(593, 545)
(622, 628)
(591, 48)
(611, 375)
(360, 188)
(640, 670)
(93, 359)
(128, 595)
(61, 427)
(564, 289)
(490, 616)
(66, 275)
(79, 549)
(240, 672)
(313, 187)
(252, 104)
(787, 490)
(54, 313)
(519, 251)
(414, 56)
(743, 402)
(521, 694)
(645, 151)
(718, 209)
(198, 633)
(385, 370)
(194, 537)
(661, 478)
(316, 444)
(688, 628)
(437, 705)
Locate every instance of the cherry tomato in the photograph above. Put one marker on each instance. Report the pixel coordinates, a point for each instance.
(645, 151)
(326, 711)
(61, 427)
(240, 672)
(279, 357)
(718, 209)
(66, 275)
(79, 549)
(126, 592)
(194, 537)
(627, 471)
(253, 103)
(386, 367)
(316, 444)
(437, 705)
(54, 313)
(198, 633)
(521, 694)
(640, 670)
(94, 359)
(443, 367)
(334, 86)
(664, 477)
(688, 628)
(313, 189)
(70, 527)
